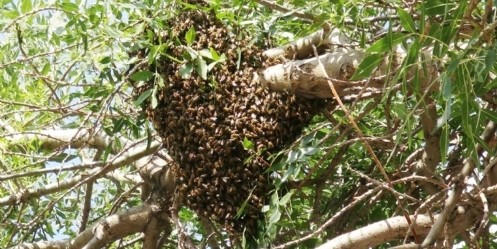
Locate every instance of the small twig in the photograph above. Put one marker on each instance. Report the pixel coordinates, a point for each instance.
(383, 185)
(51, 170)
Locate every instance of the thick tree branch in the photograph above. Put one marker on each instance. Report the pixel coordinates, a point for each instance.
(305, 77)
(379, 232)
(431, 154)
(397, 227)
(151, 234)
(333, 219)
(103, 232)
(154, 170)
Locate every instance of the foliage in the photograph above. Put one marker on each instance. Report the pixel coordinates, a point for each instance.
(68, 64)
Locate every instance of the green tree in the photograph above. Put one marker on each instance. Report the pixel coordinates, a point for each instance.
(401, 153)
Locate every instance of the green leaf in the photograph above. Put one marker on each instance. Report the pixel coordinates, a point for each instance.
(190, 36)
(387, 43)
(142, 76)
(446, 86)
(48, 228)
(436, 7)
(46, 69)
(490, 59)
(11, 14)
(221, 58)
(247, 144)
(241, 210)
(445, 115)
(154, 102)
(454, 63)
(205, 53)
(286, 198)
(289, 172)
(193, 54)
(406, 20)
(118, 124)
(244, 241)
(105, 60)
(275, 199)
(367, 66)
(413, 53)
(275, 216)
(309, 151)
(214, 54)
(489, 114)
(26, 6)
(201, 68)
(466, 115)
(63, 157)
(159, 81)
(143, 97)
(69, 7)
(292, 156)
(186, 70)
(154, 51)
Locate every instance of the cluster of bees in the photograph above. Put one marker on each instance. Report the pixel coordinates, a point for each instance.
(204, 123)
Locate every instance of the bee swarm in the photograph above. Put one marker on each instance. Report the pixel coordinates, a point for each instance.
(203, 123)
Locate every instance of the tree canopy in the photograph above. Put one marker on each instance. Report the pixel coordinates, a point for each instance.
(380, 127)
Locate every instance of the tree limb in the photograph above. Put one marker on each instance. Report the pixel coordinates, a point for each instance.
(456, 189)
(127, 157)
(54, 139)
(379, 232)
(306, 78)
(103, 232)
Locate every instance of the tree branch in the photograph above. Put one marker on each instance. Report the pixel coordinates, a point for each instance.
(456, 189)
(103, 232)
(86, 206)
(306, 78)
(379, 232)
(329, 222)
(127, 157)
(431, 155)
(54, 139)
